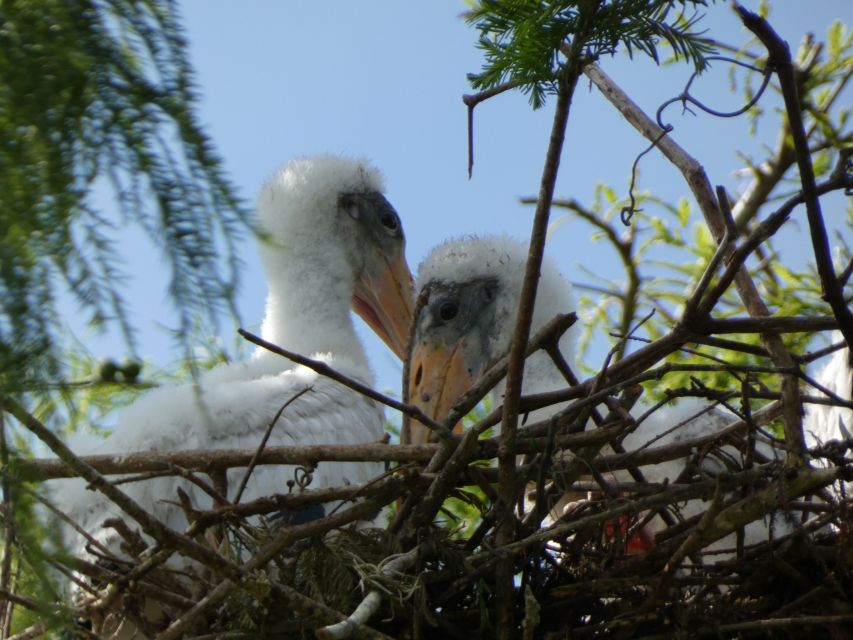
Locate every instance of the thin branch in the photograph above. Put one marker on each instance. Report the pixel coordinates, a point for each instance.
(471, 101)
(254, 461)
(508, 483)
(9, 537)
(623, 245)
(768, 324)
(779, 59)
(803, 481)
(173, 462)
(301, 500)
(325, 370)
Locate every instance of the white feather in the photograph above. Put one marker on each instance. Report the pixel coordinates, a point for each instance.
(825, 423)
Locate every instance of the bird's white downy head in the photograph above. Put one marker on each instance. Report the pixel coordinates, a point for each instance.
(467, 324)
(317, 247)
(503, 259)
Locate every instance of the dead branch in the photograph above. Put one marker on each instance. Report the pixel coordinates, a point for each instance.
(204, 460)
(325, 370)
(262, 444)
(779, 59)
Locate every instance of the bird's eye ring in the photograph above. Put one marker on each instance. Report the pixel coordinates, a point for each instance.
(389, 221)
(448, 310)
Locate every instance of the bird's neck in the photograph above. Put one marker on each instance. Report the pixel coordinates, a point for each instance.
(308, 311)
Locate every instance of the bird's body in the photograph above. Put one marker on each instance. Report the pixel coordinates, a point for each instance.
(474, 289)
(330, 242)
(232, 414)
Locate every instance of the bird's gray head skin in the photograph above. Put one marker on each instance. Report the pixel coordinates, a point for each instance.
(328, 215)
(474, 285)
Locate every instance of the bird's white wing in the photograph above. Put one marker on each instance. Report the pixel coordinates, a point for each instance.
(824, 423)
(233, 414)
(687, 420)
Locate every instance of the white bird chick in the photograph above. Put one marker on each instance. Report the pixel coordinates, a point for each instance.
(331, 242)
(467, 324)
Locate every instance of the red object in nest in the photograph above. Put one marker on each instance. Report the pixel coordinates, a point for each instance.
(640, 541)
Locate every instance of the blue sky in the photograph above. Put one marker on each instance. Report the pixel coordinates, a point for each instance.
(384, 79)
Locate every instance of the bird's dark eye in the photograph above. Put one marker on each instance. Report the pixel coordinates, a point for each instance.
(389, 220)
(488, 293)
(447, 311)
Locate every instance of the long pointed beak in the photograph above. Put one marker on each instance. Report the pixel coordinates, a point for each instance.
(438, 376)
(383, 299)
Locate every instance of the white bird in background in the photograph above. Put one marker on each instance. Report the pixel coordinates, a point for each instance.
(332, 242)
(466, 326)
(824, 423)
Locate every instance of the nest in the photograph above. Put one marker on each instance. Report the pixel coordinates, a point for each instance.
(424, 551)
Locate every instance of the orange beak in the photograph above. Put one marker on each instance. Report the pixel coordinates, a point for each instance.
(438, 376)
(383, 299)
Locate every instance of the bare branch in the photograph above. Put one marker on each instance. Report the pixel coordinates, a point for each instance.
(171, 462)
(779, 59)
(325, 370)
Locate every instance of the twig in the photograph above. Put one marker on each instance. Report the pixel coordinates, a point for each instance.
(779, 59)
(448, 462)
(175, 462)
(778, 623)
(6, 604)
(325, 370)
(763, 501)
(471, 101)
(20, 600)
(779, 354)
(296, 501)
(766, 228)
(624, 246)
(774, 324)
(682, 448)
(506, 453)
(263, 442)
(30, 632)
(729, 345)
(692, 544)
(173, 470)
